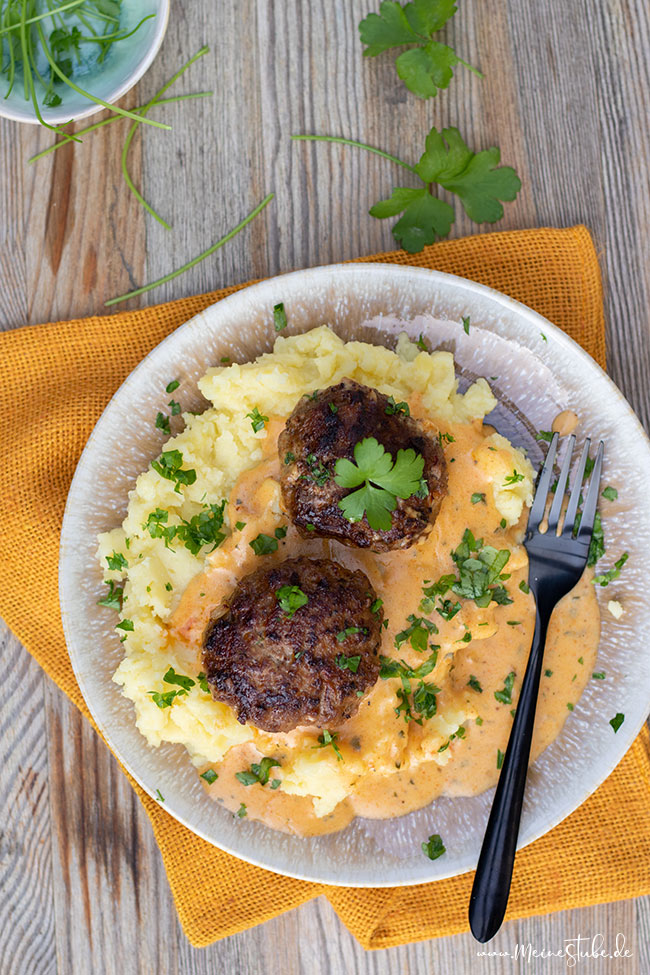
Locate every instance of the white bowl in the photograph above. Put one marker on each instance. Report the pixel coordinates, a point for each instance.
(540, 370)
(125, 65)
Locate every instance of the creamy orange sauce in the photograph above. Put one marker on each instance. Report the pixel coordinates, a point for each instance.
(399, 770)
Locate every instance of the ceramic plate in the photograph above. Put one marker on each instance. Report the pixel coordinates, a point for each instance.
(538, 371)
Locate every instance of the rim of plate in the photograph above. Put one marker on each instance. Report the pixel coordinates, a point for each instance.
(267, 291)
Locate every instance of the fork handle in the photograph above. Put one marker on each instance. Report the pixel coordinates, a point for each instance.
(491, 887)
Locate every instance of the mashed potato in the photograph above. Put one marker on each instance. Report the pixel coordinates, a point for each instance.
(222, 448)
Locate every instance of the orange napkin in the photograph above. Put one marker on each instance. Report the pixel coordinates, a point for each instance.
(57, 378)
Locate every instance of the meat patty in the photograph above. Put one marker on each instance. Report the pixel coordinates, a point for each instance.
(281, 660)
(327, 426)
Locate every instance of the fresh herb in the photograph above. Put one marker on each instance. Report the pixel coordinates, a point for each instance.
(478, 575)
(170, 466)
(171, 677)
(159, 796)
(606, 577)
(241, 812)
(434, 847)
(279, 317)
(428, 65)
(513, 622)
(394, 408)
(116, 562)
(280, 531)
(289, 458)
(597, 543)
(544, 435)
(162, 423)
(466, 325)
(417, 633)
(114, 596)
(240, 525)
(513, 478)
(598, 675)
(447, 609)
(523, 585)
(382, 481)
(327, 738)
(376, 606)
(421, 344)
(505, 696)
(318, 472)
(209, 776)
(259, 772)
(570, 706)
(203, 683)
(170, 387)
(275, 783)
(257, 420)
(617, 721)
(348, 631)
(197, 260)
(348, 663)
(548, 673)
(174, 407)
(466, 638)
(291, 598)
(264, 544)
(168, 586)
(502, 523)
(203, 529)
(333, 408)
(476, 178)
(398, 668)
(125, 625)
(445, 438)
(166, 699)
(474, 683)
(478, 496)
(500, 757)
(610, 493)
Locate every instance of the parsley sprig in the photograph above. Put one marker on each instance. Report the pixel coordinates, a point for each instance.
(258, 772)
(380, 481)
(428, 65)
(202, 529)
(474, 177)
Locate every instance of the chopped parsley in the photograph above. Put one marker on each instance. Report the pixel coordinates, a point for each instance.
(275, 783)
(116, 562)
(240, 525)
(617, 721)
(279, 317)
(327, 738)
(289, 457)
(548, 673)
(445, 438)
(376, 606)
(162, 423)
(166, 699)
(171, 677)
(474, 683)
(203, 529)
(544, 435)
(258, 772)
(606, 577)
(570, 706)
(113, 598)
(597, 543)
(170, 387)
(159, 796)
(505, 696)
(466, 324)
(209, 776)
(610, 493)
(513, 622)
(257, 420)
(174, 407)
(500, 757)
(348, 663)
(170, 466)
(598, 675)
(241, 812)
(394, 408)
(291, 598)
(333, 408)
(513, 478)
(421, 344)
(379, 480)
(280, 531)
(126, 625)
(523, 585)
(168, 586)
(434, 847)
(349, 631)
(477, 497)
(203, 683)
(447, 609)
(264, 544)
(478, 572)
(318, 472)
(417, 633)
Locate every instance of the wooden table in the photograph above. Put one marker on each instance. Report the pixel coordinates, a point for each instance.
(565, 96)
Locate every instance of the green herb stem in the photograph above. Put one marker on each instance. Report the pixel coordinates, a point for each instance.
(359, 145)
(190, 264)
(86, 94)
(114, 118)
(127, 142)
(43, 16)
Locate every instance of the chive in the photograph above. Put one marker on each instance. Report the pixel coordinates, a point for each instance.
(196, 260)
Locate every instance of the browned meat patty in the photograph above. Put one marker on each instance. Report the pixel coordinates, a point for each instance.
(326, 426)
(281, 661)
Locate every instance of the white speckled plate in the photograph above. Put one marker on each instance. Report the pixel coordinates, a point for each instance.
(539, 370)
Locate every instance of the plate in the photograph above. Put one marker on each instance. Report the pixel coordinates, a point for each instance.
(535, 370)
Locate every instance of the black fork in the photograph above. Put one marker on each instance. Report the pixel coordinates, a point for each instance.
(556, 562)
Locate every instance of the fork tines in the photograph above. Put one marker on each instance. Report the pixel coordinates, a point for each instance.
(544, 483)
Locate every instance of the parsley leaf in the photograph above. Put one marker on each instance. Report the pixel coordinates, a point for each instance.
(263, 544)
(474, 683)
(394, 408)
(348, 631)
(611, 574)
(116, 562)
(477, 497)
(203, 529)
(617, 721)
(259, 772)
(327, 738)
(513, 478)
(424, 217)
(383, 480)
(597, 543)
(505, 696)
(209, 776)
(171, 677)
(170, 466)
(348, 663)
(434, 847)
(477, 575)
(291, 598)
(162, 423)
(113, 598)
(170, 387)
(610, 493)
(427, 67)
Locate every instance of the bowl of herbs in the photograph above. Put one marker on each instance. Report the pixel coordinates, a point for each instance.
(65, 59)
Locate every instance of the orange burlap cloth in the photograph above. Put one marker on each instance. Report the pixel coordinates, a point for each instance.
(56, 380)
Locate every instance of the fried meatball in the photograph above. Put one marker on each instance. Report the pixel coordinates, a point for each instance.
(325, 427)
(280, 660)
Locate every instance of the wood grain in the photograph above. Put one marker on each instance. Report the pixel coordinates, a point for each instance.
(566, 96)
